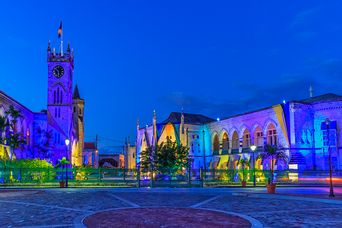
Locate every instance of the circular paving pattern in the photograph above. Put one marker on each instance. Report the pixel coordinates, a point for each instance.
(164, 217)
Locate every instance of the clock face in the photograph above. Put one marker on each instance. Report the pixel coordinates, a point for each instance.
(58, 71)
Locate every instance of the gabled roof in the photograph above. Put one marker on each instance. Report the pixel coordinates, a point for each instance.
(322, 98)
(196, 119)
(15, 101)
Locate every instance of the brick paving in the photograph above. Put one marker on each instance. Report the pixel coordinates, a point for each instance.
(68, 207)
(164, 217)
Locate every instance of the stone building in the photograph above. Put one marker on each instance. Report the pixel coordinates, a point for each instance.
(300, 127)
(46, 133)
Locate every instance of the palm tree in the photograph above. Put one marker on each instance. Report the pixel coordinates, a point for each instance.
(2, 128)
(15, 114)
(14, 141)
(274, 153)
(244, 164)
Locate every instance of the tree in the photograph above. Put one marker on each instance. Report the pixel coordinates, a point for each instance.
(13, 139)
(274, 153)
(148, 158)
(15, 115)
(44, 145)
(2, 128)
(63, 162)
(164, 157)
(244, 164)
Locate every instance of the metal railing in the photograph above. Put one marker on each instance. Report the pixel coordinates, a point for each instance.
(158, 178)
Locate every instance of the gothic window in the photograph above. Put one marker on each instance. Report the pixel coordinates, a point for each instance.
(216, 144)
(80, 111)
(272, 135)
(28, 136)
(58, 95)
(235, 141)
(225, 143)
(258, 137)
(246, 142)
(74, 109)
(329, 139)
(55, 112)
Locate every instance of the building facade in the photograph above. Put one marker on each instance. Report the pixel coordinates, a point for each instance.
(305, 129)
(46, 133)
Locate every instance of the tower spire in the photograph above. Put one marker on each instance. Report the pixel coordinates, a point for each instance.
(49, 46)
(60, 36)
(154, 127)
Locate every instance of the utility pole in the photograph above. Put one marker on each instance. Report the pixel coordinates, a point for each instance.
(96, 152)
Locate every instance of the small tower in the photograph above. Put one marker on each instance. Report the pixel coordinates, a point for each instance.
(78, 127)
(182, 135)
(154, 128)
(138, 125)
(311, 91)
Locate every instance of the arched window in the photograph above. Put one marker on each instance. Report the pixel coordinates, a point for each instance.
(225, 143)
(54, 97)
(216, 144)
(258, 137)
(246, 141)
(28, 136)
(58, 95)
(235, 141)
(272, 135)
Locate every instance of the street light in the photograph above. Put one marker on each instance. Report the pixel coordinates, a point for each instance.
(253, 148)
(327, 124)
(67, 142)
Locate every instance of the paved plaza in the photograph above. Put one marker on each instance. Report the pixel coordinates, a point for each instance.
(235, 207)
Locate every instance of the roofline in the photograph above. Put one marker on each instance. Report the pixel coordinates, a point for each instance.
(17, 102)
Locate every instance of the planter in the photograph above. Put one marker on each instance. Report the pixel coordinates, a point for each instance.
(271, 188)
(61, 184)
(244, 184)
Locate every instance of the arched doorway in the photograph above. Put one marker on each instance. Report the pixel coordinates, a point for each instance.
(225, 143)
(216, 144)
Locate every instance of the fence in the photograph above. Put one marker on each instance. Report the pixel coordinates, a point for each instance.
(83, 177)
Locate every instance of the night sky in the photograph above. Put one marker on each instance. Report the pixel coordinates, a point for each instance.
(217, 58)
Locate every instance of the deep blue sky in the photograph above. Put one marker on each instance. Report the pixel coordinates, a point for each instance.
(212, 57)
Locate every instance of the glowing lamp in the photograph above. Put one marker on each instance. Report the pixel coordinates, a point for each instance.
(284, 101)
(218, 119)
(67, 142)
(253, 147)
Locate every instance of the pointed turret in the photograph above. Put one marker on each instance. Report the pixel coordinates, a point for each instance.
(49, 46)
(68, 48)
(154, 127)
(76, 94)
(311, 91)
(138, 125)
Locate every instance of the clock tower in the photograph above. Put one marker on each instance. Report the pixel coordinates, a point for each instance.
(59, 103)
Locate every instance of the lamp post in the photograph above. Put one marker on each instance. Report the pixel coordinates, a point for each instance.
(67, 142)
(327, 124)
(253, 148)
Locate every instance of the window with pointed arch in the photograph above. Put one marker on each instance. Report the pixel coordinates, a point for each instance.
(216, 144)
(225, 143)
(258, 137)
(235, 141)
(246, 141)
(272, 138)
(27, 136)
